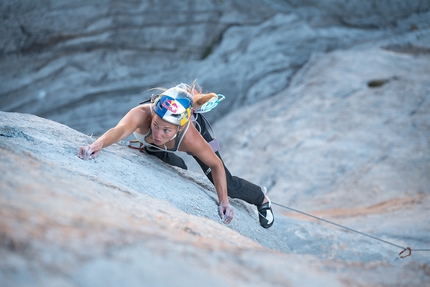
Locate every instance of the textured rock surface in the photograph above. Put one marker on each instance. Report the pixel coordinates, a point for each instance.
(127, 219)
(334, 119)
(336, 145)
(331, 133)
(74, 61)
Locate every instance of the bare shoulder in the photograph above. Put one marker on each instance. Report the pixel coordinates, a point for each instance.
(142, 113)
(138, 117)
(142, 110)
(193, 141)
(195, 144)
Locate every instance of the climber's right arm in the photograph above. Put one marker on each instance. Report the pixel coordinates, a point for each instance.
(136, 117)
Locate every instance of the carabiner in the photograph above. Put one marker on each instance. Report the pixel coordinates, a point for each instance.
(406, 255)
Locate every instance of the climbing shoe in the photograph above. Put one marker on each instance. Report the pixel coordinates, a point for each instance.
(265, 214)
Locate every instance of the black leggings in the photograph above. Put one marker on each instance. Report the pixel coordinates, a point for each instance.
(236, 187)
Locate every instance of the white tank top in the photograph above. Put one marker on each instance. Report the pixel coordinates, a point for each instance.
(153, 148)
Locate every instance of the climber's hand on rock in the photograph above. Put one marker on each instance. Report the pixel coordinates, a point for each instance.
(226, 211)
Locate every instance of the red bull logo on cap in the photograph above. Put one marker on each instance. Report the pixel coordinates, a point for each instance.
(171, 106)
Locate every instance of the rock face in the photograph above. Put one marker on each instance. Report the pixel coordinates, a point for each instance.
(87, 64)
(349, 137)
(128, 219)
(351, 122)
(328, 105)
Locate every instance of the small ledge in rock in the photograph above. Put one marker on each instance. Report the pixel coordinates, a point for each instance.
(11, 132)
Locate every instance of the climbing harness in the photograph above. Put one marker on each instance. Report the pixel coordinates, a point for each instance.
(406, 251)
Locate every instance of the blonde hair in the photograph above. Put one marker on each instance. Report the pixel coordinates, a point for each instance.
(199, 98)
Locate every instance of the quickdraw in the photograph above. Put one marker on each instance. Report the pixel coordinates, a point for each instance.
(141, 147)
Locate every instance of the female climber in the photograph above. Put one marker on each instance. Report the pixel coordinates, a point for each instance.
(171, 122)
